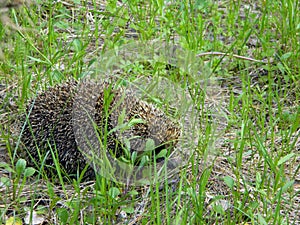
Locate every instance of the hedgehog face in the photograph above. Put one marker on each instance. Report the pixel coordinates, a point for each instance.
(154, 124)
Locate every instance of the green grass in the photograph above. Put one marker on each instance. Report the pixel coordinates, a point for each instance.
(250, 175)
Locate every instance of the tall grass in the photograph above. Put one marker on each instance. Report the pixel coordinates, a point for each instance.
(250, 176)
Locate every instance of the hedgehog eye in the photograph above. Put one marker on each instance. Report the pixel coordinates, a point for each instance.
(160, 148)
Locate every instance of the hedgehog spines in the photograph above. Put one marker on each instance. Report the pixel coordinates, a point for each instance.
(50, 124)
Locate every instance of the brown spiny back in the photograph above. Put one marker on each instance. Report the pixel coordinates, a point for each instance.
(55, 121)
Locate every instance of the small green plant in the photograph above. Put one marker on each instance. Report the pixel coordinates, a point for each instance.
(20, 174)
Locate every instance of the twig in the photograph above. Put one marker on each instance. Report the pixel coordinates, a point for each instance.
(234, 55)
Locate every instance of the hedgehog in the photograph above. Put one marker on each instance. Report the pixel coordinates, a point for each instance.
(71, 119)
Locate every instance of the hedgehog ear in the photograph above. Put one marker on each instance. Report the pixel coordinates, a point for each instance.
(171, 131)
